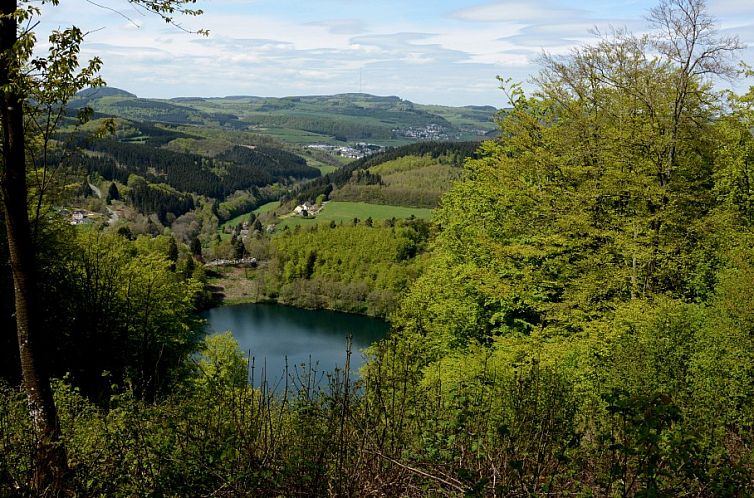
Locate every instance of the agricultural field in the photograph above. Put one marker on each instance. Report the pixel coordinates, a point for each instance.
(323, 168)
(267, 208)
(345, 212)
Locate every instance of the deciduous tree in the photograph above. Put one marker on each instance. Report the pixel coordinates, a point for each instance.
(595, 193)
(33, 96)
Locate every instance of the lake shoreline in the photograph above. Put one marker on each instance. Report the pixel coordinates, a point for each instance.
(275, 302)
(232, 286)
(283, 336)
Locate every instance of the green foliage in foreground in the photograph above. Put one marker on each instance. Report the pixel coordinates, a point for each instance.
(520, 423)
(115, 310)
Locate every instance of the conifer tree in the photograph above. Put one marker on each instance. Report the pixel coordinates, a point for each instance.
(112, 193)
(239, 249)
(196, 247)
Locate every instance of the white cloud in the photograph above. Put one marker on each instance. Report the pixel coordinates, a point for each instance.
(342, 26)
(731, 8)
(443, 56)
(515, 11)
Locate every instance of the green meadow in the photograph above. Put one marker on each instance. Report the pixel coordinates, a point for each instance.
(346, 211)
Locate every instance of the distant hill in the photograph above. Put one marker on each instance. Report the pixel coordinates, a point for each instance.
(105, 91)
(228, 148)
(386, 120)
(119, 103)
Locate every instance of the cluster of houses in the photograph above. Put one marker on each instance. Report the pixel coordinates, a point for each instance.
(81, 217)
(307, 209)
(429, 132)
(356, 151)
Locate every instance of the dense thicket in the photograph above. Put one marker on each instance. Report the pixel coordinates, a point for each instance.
(603, 189)
(358, 269)
(605, 237)
(111, 312)
(158, 198)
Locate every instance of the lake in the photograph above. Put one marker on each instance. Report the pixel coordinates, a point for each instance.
(273, 332)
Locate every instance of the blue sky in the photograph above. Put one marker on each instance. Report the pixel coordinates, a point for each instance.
(435, 52)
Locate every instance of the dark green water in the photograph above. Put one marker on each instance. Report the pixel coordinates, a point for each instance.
(273, 332)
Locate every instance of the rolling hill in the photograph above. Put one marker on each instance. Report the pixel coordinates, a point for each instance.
(229, 148)
(305, 119)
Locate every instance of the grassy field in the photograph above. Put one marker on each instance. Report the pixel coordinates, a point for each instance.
(264, 208)
(267, 208)
(239, 285)
(299, 137)
(235, 221)
(347, 211)
(324, 168)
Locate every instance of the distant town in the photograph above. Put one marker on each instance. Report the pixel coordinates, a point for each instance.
(430, 132)
(356, 151)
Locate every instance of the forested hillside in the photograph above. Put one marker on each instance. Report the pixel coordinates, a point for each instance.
(361, 269)
(331, 118)
(239, 168)
(415, 175)
(417, 181)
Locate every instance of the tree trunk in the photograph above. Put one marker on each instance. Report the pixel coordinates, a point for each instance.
(50, 463)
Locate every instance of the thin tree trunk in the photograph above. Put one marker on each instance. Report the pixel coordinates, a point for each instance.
(50, 459)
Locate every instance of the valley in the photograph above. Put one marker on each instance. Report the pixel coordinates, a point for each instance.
(211, 174)
(356, 295)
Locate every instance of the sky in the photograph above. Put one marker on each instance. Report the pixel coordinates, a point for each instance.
(445, 52)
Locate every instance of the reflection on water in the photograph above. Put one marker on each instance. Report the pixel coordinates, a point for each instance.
(272, 332)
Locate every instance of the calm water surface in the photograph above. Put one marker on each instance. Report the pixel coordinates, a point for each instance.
(273, 332)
